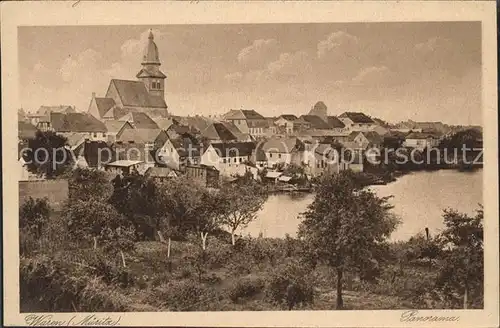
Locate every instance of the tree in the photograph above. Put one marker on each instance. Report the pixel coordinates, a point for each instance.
(186, 203)
(96, 221)
(462, 272)
(85, 184)
(47, 154)
(34, 215)
(345, 227)
(240, 203)
(138, 199)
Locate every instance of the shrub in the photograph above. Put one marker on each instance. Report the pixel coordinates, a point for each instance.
(245, 288)
(186, 295)
(34, 215)
(290, 284)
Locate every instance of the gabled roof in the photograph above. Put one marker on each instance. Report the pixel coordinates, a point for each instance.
(135, 94)
(218, 131)
(46, 110)
(334, 122)
(373, 137)
(76, 122)
(26, 130)
(141, 135)
(288, 117)
(234, 149)
(165, 123)
(139, 120)
(115, 126)
(421, 135)
(104, 105)
(316, 122)
(186, 146)
(198, 122)
(75, 139)
(357, 117)
(283, 145)
(115, 113)
(242, 114)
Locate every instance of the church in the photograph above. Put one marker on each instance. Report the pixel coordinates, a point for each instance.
(146, 95)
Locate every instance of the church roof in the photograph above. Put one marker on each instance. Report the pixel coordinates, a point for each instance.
(151, 55)
(144, 72)
(135, 94)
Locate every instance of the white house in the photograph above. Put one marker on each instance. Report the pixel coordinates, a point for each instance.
(229, 158)
(179, 152)
(357, 121)
(421, 140)
(283, 151)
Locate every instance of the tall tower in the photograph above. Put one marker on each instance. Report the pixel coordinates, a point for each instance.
(150, 74)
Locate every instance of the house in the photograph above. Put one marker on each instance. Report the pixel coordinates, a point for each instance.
(145, 95)
(152, 138)
(228, 158)
(241, 137)
(207, 175)
(134, 151)
(357, 121)
(116, 129)
(161, 174)
(367, 139)
(421, 140)
(26, 130)
(336, 124)
(248, 121)
(139, 120)
(125, 167)
(259, 157)
(43, 113)
(283, 151)
(218, 132)
(316, 122)
(322, 158)
(286, 121)
(84, 124)
(179, 152)
(93, 154)
(291, 124)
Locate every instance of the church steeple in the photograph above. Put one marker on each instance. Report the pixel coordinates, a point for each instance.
(150, 74)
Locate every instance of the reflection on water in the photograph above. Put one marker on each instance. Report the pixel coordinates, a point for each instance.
(419, 199)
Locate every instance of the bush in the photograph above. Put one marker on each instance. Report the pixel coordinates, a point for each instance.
(186, 295)
(290, 284)
(245, 288)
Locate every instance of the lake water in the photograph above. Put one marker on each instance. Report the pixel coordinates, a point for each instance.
(419, 200)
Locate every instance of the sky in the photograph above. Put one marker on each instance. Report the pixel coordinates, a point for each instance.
(422, 71)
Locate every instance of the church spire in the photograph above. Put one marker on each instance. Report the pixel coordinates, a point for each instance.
(151, 55)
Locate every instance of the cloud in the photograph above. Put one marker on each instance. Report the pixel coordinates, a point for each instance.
(73, 68)
(337, 42)
(259, 51)
(374, 76)
(432, 45)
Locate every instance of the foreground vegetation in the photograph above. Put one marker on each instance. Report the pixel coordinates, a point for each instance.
(132, 244)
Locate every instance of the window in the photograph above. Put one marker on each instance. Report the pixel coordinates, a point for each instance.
(270, 155)
(241, 159)
(224, 161)
(104, 134)
(279, 155)
(235, 160)
(95, 135)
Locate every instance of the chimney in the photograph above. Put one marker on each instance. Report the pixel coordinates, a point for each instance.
(93, 95)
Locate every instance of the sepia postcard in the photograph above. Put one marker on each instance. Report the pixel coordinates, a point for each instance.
(250, 164)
